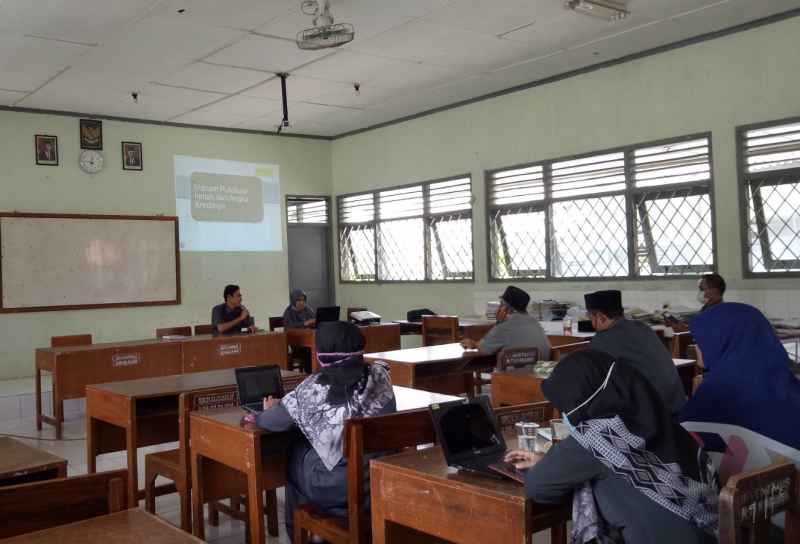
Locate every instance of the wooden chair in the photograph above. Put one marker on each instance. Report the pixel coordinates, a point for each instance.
(41, 505)
(748, 500)
(275, 322)
(203, 329)
(538, 412)
(175, 464)
(71, 340)
(514, 358)
(558, 352)
(352, 309)
(365, 436)
(514, 387)
(439, 329)
(174, 331)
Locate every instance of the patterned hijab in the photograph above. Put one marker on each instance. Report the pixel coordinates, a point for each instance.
(620, 419)
(345, 387)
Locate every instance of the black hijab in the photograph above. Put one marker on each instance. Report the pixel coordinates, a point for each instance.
(340, 350)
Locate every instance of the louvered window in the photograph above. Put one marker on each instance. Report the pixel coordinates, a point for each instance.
(770, 164)
(420, 233)
(579, 217)
(302, 209)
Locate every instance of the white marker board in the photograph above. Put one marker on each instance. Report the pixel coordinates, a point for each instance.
(66, 261)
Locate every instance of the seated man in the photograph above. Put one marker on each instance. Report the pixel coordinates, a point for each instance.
(711, 288)
(231, 317)
(298, 313)
(515, 327)
(636, 342)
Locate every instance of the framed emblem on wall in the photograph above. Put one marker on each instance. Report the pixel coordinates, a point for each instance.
(91, 134)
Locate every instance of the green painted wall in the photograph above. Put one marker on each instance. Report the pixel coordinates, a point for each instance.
(714, 86)
(304, 169)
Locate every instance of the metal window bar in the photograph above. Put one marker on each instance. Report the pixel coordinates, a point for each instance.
(421, 232)
(773, 207)
(627, 186)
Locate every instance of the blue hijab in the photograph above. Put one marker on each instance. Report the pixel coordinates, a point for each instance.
(748, 380)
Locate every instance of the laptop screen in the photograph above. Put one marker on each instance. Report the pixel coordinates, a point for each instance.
(467, 428)
(257, 382)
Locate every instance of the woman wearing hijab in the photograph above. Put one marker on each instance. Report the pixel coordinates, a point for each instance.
(748, 394)
(634, 474)
(345, 387)
(298, 314)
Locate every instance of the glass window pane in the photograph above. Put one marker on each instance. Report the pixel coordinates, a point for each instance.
(779, 228)
(397, 203)
(518, 241)
(357, 253)
(451, 248)
(590, 238)
(401, 250)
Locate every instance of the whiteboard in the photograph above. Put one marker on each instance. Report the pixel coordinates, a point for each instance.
(60, 261)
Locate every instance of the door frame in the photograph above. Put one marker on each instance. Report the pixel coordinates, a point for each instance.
(328, 226)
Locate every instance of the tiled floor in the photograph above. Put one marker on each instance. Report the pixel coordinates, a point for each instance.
(73, 448)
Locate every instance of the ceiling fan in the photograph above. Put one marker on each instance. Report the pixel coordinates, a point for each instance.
(325, 33)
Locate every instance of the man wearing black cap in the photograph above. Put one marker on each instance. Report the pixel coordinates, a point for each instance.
(635, 342)
(515, 327)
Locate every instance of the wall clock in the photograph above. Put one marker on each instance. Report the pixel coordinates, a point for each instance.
(91, 161)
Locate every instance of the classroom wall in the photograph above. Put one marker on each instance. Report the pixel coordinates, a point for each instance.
(304, 169)
(743, 78)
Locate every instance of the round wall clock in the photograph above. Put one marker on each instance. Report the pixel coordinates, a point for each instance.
(91, 161)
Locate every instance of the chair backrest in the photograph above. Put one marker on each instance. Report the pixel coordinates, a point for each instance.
(439, 329)
(352, 309)
(516, 357)
(201, 399)
(275, 322)
(203, 329)
(558, 352)
(70, 340)
(749, 499)
(364, 436)
(508, 416)
(174, 331)
(41, 505)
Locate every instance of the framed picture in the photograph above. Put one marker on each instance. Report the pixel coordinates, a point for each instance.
(132, 156)
(91, 134)
(46, 150)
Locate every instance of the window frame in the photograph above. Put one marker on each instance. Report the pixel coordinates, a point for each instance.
(746, 181)
(426, 217)
(630, 193)
(310, 198)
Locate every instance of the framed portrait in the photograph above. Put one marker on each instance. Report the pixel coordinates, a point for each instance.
(91, 134)
(132, 156)
(46, 150)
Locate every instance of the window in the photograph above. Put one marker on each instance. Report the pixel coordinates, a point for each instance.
(307, 209)
(770, 163)
(417, 233)
(635, 212)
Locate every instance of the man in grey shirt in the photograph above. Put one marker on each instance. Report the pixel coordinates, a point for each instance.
(515, 327)
(636, 342)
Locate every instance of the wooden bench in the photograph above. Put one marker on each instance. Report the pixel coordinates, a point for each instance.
(36, 506)
(21, 463)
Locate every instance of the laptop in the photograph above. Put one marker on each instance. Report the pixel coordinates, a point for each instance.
(255, 383)
(471, 439)
(328, 313)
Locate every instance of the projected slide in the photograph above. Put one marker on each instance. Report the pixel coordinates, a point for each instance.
(227, 205)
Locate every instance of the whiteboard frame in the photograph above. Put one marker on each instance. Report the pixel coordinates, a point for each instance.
(174, 220)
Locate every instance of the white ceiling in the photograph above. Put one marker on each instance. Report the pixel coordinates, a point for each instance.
(215, 63)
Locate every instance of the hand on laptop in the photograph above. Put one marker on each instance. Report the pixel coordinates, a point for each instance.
(309, 322)
(520, 459)
(269, 402)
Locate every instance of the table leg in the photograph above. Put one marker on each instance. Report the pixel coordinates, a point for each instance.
(38, 399)
(198, 520)
(133, 460)
(255, 498)
(91, 446)
(378, 520)
(558, 534)
(58, 409)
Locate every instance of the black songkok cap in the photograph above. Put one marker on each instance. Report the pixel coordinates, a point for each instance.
(516, 298)
(608, 302)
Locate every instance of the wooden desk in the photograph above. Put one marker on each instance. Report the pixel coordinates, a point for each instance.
(522, 386)
(416, 489)
(21, 463)
(229, 458)
(474, 328)
(446, 368)
(379, 337)
(137, 413)
(133, 526)
(75, 367)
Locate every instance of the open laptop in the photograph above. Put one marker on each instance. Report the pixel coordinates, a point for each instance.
(255, 383)
(328, 313)
(471, 439)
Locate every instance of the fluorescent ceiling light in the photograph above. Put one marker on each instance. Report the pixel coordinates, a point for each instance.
(610, 10)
